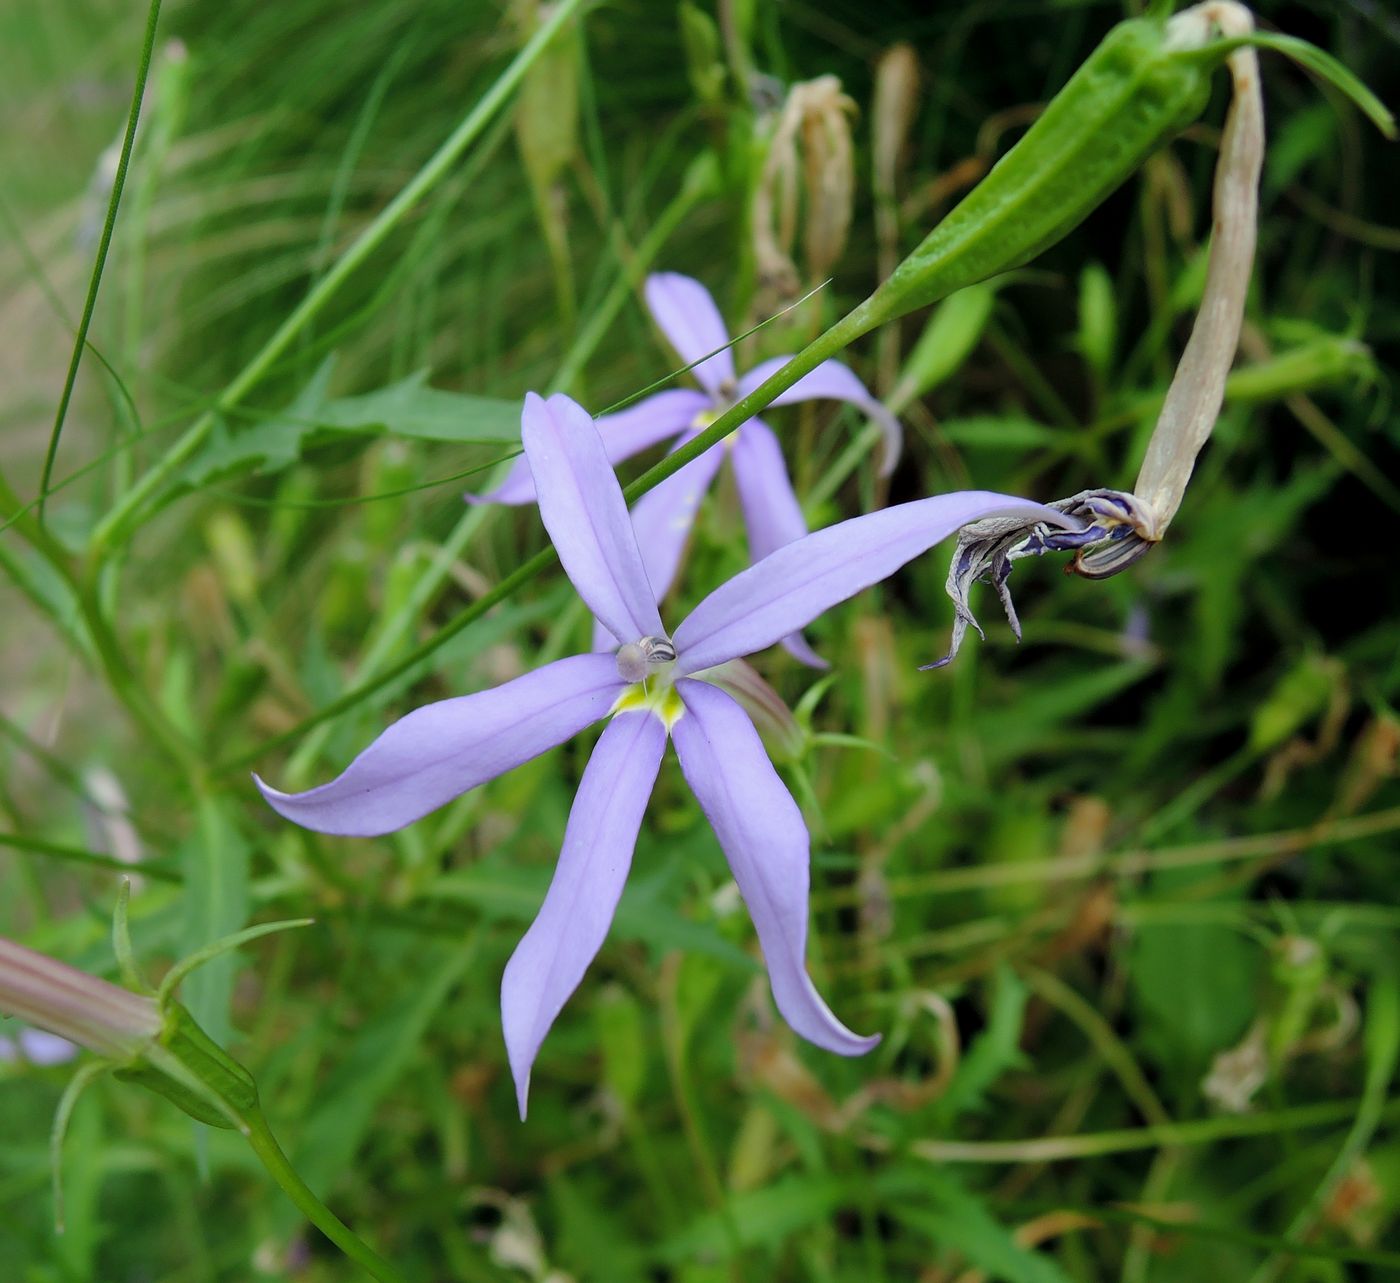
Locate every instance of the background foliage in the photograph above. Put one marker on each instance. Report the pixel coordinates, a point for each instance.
(1065, 879)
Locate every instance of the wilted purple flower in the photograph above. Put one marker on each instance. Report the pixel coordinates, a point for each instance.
(51, 995)
(653, 684)
(687, 315)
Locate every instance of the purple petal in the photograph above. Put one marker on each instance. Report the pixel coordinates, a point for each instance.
(797, 646)
(550, 960)
(765, 841)
(791, 587)
(689, 319)
(662, 519)
(628, 432)
(651, 421)
(834, 381)
(664, 516)
(517, 488)
(441, 750)
(771, 511)
(43, 1048)
(772, 514)
(582, 507)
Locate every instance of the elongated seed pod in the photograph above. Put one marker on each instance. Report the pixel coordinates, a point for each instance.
(1141, 86)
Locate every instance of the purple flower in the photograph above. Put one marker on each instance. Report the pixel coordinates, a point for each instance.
(687, 315)
(36, 1047)
(652, 686)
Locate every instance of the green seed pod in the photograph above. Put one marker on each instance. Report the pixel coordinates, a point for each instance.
(1140, 87)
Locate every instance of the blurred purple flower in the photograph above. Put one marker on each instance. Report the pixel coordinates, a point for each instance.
(687, 315)
(36, 1047)
(651, 686)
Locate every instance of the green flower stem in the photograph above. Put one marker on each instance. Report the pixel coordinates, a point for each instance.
(108, 226)
(1199, 1131)
(855, 323)
(125, 511)
(279, 1167)
(94, 859)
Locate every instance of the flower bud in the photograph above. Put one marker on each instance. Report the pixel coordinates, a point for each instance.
(896, 102)
(48, 994)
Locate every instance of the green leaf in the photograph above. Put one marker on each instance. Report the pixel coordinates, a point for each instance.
(264, 447)
(1194, 984)
(1327, 68)
(953, 331)
(957, 1221)
(408, 408)
(996, 1050)
(760, 1217)
(1000, 432)
(215, 863)
(1042, 712)
(380, 1051)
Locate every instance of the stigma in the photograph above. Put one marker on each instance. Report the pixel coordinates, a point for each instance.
(636, 661)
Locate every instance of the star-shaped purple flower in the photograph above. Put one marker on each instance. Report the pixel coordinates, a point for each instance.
(687, 315)
(651, 686)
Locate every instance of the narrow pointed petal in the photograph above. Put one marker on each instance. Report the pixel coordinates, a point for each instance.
(791, 587)
(800, 649)
(772, 513)
(651, 421)
(665, 515)
(582, 507)
(441, 750)
(564, 938)
(765, 841)
(834, 381)
(691, 322)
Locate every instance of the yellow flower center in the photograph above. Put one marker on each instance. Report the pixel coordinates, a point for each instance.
(656, 696)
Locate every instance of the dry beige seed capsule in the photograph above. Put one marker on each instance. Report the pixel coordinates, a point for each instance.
(815, 117)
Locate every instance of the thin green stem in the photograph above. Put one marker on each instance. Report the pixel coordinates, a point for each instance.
(125, 511)
(1200, 1131)
(279, 1167)
(76, 855)
(103, 245)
